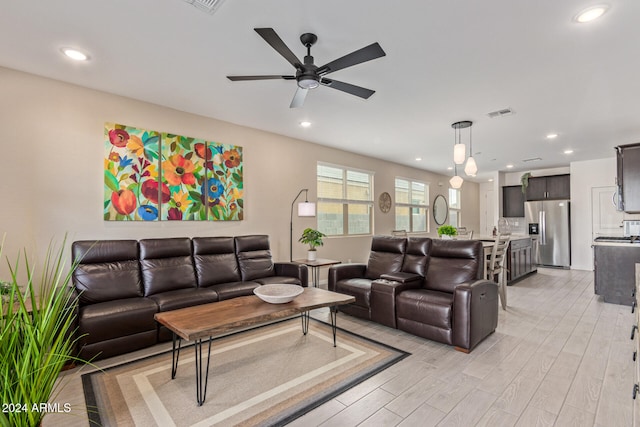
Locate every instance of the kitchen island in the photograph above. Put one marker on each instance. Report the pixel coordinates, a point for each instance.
(614, 269)
(520, 256)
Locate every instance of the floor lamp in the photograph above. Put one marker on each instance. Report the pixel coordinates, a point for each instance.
(305, 208)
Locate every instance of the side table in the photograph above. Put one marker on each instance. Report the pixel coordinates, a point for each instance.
(315, 267)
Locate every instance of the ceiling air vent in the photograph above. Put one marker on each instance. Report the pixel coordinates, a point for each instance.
(534, 159)
(501, 113)
(209, 6)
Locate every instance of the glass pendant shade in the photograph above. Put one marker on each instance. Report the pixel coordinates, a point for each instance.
(459, 153)
(456, 182)
(471, 168)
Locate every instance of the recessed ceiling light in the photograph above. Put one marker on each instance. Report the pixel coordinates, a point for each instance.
(305, 124)
(552, 136)
(74, 54)
(450, 168)
(490, 179)
(568, 151)
(509, 166)
(591, 13)
(418, 159)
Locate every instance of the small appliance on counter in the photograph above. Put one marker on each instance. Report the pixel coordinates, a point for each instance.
(631, 228)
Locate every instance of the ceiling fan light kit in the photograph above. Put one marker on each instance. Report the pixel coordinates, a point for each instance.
(308, 75)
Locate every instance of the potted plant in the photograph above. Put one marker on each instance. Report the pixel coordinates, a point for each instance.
(524, 181)
(313, 238)
(447, 231)
(36, 324)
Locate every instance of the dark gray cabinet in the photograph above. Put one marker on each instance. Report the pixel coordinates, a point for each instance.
(615, 272)
(512, 201)
(553, 187)
(628, 157)
(520, 260)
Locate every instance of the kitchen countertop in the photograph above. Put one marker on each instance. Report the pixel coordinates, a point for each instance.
(623, 244)
(513, 237)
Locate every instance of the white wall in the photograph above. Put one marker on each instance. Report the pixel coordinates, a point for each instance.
(51, 170)
(584, 176)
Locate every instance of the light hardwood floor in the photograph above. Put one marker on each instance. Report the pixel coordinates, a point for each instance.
(560, 356)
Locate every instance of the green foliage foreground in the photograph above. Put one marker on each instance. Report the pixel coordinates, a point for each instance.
(34, 343)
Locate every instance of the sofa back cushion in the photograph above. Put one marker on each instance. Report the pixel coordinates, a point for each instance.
(453, 262)
(215, 260)
(416, 258)
(254, 257)
(387, 253)
(166, 265)
(107, 270)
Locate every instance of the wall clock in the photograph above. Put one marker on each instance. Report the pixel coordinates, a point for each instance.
(384, 202)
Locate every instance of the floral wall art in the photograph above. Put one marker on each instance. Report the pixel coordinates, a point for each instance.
(152, 176)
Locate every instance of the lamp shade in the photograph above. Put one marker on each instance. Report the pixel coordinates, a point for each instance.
(306, 209)
(459, 153)
(456, 181)
(471, 168)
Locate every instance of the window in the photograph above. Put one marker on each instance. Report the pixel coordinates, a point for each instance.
(454, 207)
(412, 205)
(345, 200)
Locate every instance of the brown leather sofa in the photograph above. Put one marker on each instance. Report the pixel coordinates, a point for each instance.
(123, 283)
(430, 288)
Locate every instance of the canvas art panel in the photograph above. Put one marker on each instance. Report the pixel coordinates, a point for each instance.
(152, 176)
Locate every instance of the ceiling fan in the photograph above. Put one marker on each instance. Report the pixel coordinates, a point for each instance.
(308, 75)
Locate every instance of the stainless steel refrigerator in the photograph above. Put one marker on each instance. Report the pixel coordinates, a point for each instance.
(549, 220)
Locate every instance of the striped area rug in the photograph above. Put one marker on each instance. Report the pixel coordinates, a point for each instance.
(266, 376)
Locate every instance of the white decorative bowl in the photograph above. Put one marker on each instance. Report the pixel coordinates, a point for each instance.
(278, 293)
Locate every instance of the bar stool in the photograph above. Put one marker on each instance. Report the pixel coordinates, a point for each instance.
(496, 265)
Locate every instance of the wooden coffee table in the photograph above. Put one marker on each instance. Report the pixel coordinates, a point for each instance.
(202, 322)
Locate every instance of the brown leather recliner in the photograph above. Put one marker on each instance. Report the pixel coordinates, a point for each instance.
(430, 288)
(387, 255)
(453, 305)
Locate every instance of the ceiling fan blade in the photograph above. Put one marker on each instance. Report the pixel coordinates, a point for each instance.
(273, 77)
(348, 88)
(298, 98)
(365, 54)
(271, 37)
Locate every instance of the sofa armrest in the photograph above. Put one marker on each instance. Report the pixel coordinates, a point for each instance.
(402, 277)
(383, 298)
(475, 312)
(344, 271)
(292, 269)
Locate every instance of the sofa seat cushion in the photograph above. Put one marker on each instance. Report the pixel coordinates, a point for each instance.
(358, 288)
(234, 289)
(114, 319)
(181, 298)
(278, 279)
(425, 306)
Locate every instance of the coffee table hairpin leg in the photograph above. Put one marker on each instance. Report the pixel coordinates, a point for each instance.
(175, 355)
(333, 313)
(201, 380)
(201, 388)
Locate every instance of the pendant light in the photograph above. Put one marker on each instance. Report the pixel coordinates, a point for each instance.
(459, 149)
(470, 168)
(456, 181)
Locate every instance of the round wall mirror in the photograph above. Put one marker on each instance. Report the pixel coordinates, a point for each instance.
(440, 209)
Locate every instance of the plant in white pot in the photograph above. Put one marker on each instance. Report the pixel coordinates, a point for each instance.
(447, 231)
(313, 238)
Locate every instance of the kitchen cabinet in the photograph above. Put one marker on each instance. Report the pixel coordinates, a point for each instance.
(553, 187)
(636, 352)
(520, 259)
(628, 161)
(512, 201)
(614, 271)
